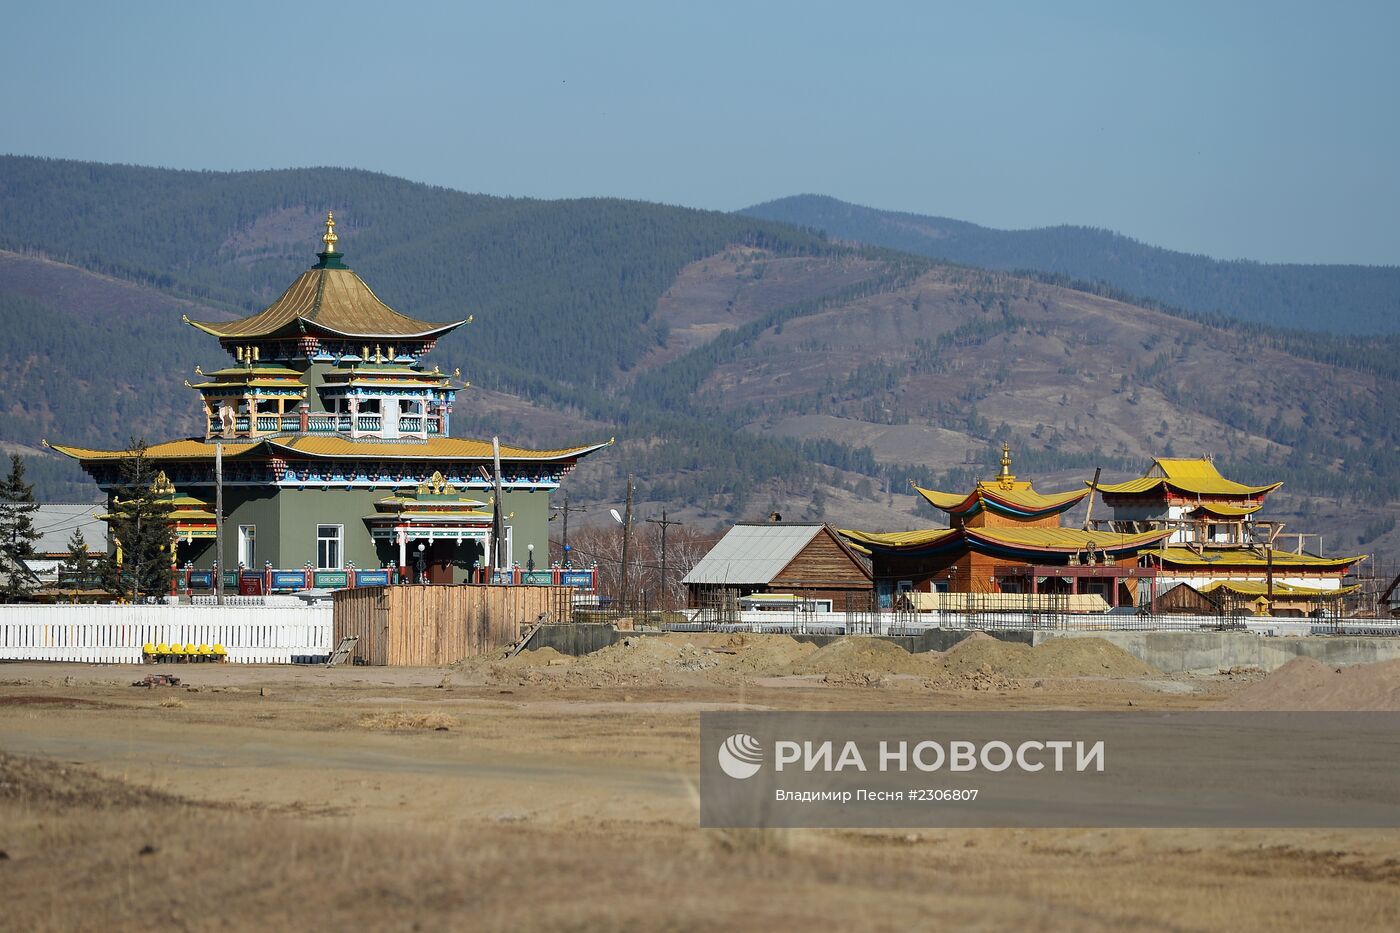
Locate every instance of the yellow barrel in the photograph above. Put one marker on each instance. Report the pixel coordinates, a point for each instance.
(162, 648)
(219, 653)
(191, 649)
(148, 648)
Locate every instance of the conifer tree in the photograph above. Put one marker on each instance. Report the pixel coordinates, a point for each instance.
(79, 568)
(140, 563)
(17, 534)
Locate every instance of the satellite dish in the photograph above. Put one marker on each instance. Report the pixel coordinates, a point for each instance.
(616, 517)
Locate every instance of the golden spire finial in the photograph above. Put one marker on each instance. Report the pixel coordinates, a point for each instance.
(330, 238)
(1005, 477)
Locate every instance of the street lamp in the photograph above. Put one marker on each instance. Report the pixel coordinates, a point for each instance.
(530, 558)
(420, 564)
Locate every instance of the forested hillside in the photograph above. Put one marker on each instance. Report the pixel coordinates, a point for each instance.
(744, 366)
(1328, 298)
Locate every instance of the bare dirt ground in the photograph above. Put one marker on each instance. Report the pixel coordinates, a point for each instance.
(550, 792)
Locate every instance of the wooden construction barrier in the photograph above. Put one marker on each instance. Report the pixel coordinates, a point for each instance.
(409, 626)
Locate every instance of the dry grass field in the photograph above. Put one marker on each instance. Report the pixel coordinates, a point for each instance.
(551, 793)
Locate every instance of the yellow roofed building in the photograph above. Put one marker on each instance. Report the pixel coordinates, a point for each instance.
(1004, 537)
(333, 439)
(1190, 497)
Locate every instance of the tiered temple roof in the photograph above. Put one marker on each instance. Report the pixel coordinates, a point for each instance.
(1006, 496)
(1217, 559)
(329, 299)
(1185, 477)
(1026, 526)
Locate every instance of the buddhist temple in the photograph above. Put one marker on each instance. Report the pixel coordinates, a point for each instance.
(1216, 542)
(1004, 537)
(333, 437)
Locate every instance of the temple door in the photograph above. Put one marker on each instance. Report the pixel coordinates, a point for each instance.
(440, 555)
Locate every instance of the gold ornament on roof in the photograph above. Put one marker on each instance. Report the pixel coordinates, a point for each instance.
(162, 485)
(1005, 478)
(330, 238)
(437, 485)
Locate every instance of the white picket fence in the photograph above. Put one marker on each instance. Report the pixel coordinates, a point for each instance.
(115, 634)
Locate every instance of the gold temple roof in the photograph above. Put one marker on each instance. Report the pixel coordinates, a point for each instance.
(328, 297)
(435, 448)
(1281, 590)
(188, 448)
(1250, 557)
(1196, 476)
(1064, 539)
(921, 538)
(1033, 539)
(1020, 495)
(333, 300)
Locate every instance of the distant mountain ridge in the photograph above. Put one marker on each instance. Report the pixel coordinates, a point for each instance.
(745, 366)
(1346, 299)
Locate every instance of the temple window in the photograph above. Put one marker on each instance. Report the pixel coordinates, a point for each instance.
(329, 546)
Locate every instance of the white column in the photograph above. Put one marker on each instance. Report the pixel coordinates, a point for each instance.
(403, 548)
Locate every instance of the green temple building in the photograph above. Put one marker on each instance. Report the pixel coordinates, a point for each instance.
(333, 440)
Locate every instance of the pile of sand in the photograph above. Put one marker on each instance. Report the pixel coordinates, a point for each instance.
(1308, 684)
(980, 655)
(764, 654)
(538, 657)
(857, 654)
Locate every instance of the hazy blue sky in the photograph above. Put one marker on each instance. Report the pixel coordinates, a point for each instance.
(1262, 130)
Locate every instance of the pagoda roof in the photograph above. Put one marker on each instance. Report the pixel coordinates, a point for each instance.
(1195, 476)
(1250, 557)
(1281, 590)
(328, 298)
(999, 539)
(924, 539)
(1062, 540)
(435, 448)
(1005, 495)
(1017, 499)
(186, 448)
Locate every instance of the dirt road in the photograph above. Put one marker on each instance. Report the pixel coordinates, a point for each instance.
(554, 801)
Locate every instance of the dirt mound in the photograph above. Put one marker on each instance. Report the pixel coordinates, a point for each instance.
(765, 654)
(538, 657)
(1088, 657)
(857, 654)
(1308, 684)
(982, 655)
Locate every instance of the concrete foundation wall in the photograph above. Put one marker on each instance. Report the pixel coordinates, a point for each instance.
(1209, 652)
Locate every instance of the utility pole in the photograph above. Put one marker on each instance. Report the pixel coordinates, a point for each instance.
(498, 527)
(626, 542)
(219, 522)
(564, 511)
(665, 583)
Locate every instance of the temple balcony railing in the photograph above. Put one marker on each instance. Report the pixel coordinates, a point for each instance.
(321, 424)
